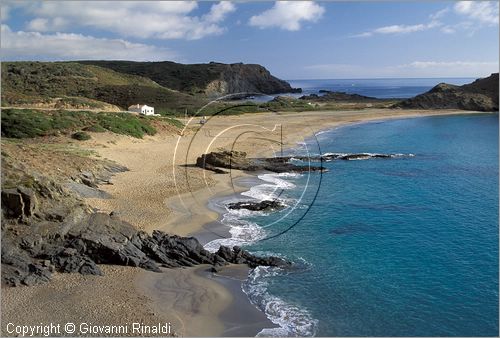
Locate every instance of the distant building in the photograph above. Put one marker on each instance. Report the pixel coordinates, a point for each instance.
(141, 109)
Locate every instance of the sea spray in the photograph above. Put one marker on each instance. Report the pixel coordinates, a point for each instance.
(291, 319)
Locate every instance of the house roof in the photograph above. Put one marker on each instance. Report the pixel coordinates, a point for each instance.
(138, 106)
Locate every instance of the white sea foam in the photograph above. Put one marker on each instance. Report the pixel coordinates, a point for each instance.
(291, 319)
(323, 131)
(271, 189)
(242, 232)
(364, 156)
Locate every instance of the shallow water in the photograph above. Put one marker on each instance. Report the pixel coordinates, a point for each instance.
(400, 247)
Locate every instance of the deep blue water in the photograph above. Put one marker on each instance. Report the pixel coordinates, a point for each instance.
(390, 247)
(380, 88)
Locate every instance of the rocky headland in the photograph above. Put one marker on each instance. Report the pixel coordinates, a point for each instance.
(480, 95)
(340, 97)
(212, 79)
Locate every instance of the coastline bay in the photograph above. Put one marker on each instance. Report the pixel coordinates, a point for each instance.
(413, 247)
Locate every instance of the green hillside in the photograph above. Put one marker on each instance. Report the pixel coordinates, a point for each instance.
(38, 82)
(200, 78)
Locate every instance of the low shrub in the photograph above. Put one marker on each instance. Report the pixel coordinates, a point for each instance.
(27, 123)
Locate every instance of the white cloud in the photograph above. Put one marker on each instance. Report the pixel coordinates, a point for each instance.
(412, 69)
(481, 12)
(448, 64)
(140, 19)
(22, 45)
(485, 12)
(219, 11)
(399, 29)
(288, 15)
(46, 25)
(439, 14)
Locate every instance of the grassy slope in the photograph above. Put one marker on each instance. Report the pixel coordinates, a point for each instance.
(186, 78)
(24, 82)
(199, 78)
(26, 123)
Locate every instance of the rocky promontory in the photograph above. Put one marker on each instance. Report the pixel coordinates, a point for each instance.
(238, 160)
(480, 95)
(330, 96)
(212, 79)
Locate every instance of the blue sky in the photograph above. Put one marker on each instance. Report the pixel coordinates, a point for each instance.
(294, 40)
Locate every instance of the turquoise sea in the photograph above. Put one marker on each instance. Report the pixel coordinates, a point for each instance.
(406, 246)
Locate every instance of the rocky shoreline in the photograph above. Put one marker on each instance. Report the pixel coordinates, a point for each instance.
(47, 227)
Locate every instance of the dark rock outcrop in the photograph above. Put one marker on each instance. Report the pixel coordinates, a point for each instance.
(100, 238)
(480, 95)
(331, 96)
(281, 164)
(238, 160)
(226, 159)
(47, 228)
(265, 205)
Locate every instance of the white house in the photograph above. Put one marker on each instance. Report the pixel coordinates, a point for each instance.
(141, 109)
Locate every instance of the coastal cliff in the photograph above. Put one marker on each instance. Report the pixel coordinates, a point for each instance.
(480, 95)
(212, 79)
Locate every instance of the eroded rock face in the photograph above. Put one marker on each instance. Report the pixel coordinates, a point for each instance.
(19, 202)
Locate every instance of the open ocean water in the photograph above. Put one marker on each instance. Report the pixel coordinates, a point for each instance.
(406, 246)
(400, 247)
(380, 88)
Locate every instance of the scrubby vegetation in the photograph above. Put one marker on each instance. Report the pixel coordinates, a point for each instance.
(196, 78)
(78, 85)
(95, 128)
(27, 123)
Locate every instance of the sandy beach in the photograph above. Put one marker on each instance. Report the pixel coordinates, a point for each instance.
(164, 190)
